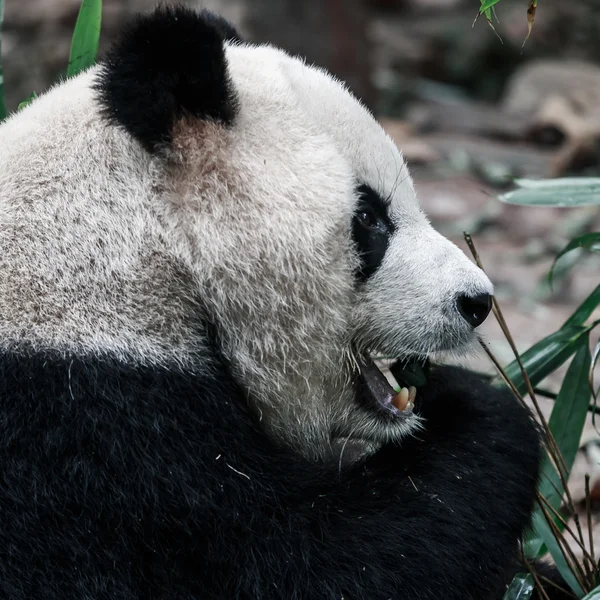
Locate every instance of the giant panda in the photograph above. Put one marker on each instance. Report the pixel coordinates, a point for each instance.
(203, 245)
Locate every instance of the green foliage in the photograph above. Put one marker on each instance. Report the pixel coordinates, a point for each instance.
(520, 588)
(567, 419)
(566, 424)
(573, 401)
(543, 529)
(27, 101)
(86, 37)
(593, 595)
(589, 241)
(546, 356)
(595, 359)
(567, 192)
(486, 11)
(486, 6)
(584, 311)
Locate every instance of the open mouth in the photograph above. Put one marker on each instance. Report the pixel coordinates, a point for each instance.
(396, 392)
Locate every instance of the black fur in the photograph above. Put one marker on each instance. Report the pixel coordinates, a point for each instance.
(123, 483)
(371, 231)
(168, 64)
(228, 32)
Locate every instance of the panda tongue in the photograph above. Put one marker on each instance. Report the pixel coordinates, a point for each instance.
(376, 386)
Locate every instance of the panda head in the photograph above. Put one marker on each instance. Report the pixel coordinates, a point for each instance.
(194, 195)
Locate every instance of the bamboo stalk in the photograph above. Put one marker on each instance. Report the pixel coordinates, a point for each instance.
(552, 446)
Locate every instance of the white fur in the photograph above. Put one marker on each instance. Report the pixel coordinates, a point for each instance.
(105, 249)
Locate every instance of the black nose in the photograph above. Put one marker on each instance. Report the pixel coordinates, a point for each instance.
(474, 309)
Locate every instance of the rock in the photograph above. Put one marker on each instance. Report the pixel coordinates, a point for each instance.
(561, 102)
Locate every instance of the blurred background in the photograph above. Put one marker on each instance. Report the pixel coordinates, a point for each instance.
(471, 107)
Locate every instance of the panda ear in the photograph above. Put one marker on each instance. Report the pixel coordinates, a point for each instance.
(168, 64)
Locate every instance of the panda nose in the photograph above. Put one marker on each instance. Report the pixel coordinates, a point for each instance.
(474, 309)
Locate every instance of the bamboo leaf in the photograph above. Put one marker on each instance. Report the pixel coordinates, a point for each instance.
(593, 595)
(566, 423)
(533, 547)
(520, 588)
(595, 358)
(27, 101)
(589, 241)
(566, 192)
(86, 37)
(554, 350)
(559, 183)
(595, 392)
(542, 528)
(584, 310)
(486, 5)
(546, 356)
(567, 419)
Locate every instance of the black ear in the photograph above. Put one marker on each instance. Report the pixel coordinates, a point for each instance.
(168, 64)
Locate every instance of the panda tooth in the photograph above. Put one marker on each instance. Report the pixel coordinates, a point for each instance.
(412, 394)
(400, 400)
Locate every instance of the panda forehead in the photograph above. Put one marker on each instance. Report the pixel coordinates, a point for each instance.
(290, 85)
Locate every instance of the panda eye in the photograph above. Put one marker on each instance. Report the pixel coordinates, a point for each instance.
(366, 218)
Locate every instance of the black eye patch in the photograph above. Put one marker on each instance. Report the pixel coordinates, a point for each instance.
(371, 230)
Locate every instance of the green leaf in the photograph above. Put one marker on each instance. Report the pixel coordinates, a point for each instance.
(584, 310)
(590, 241)
(542, 528)
(593, 595)
(595, 357)
(486, 5)
(86, 37)
(567, 419)
(520, 588)
(566, 192)
(27, 101)
(533, 547)
(566, 424)
(546, 356)
(2, 102)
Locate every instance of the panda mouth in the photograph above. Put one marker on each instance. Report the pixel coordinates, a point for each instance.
(395, 393)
